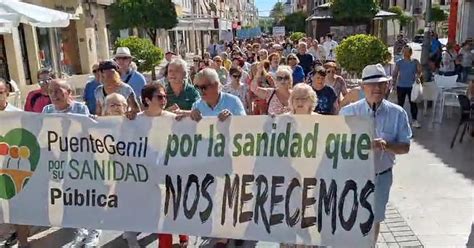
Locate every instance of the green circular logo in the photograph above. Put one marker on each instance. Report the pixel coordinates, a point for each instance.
(19, 157)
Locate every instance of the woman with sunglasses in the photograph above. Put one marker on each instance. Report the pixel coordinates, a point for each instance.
(298, 73)
(276, 98)
(154, 99)
(335, 81)
(237, 88)
(113, 84)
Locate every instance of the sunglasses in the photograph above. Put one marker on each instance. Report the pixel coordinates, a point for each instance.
(95, 71)
(160, 96)
(45, 81)
(291, 58)
(280, 78)
(236, 76)
(196, 60)
(204, 87)
(329, 71)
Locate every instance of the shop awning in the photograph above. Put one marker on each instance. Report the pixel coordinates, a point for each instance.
(17, 12)
(6, 26)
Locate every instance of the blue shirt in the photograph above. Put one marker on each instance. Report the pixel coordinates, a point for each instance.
(406, 72)
(226, 101)
(75, 108)
(298, 75)
(137, 81)
(435, 46)
(391, 124)
(89, 95)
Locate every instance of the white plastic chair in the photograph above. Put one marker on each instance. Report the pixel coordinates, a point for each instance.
(430, 93)
(443, 99)
(450, 99)
(445, 81)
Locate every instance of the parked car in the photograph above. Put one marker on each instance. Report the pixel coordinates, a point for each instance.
(418, 38)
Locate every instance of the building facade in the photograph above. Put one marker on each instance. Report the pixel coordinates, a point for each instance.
(70, 50)
(201, 21)
(465, 21)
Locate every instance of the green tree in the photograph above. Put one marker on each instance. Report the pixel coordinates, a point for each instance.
(149, 15)
(296, 36)
(402, 18)
(354, 11)
(295, 22)
(146, 54)
(278, 12)
(438, 15)
(358, 51)
(265, 24)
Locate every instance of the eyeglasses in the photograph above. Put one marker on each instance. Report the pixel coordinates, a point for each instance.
(236, 76)
(196, 60)
(122, 58)
(116, 105)
(291, 58)
(160, 96)
(301, 99)
(203, 87)
(329, 71)
(280, 78)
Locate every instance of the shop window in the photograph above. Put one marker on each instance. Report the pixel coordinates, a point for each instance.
(3, 61)
(24, 53)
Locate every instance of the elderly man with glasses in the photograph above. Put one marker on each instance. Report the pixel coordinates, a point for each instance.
(392, 133)
(213, 101)
(129, 75)
(38, 99)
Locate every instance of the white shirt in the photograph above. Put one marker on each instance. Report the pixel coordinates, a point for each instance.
(447, 61)
(330, 48)
(11, 108)
(320, 54)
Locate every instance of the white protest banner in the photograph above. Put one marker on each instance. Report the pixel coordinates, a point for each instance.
(278, 31)
(306, 179)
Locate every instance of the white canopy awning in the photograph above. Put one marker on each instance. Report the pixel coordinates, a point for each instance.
(13, 12)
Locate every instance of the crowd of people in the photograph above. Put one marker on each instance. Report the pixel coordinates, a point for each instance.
(449, 60)
(258, 77)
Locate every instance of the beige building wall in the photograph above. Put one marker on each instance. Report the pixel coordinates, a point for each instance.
(87, 45)
(14, 57)
(102, 36)
(32, 49)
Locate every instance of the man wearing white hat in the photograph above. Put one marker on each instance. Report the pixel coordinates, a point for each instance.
(130, 76)
(392, 133)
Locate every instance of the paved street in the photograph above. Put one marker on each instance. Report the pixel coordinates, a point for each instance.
(431, 203)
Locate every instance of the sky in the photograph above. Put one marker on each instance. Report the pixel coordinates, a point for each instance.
(264, 6)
